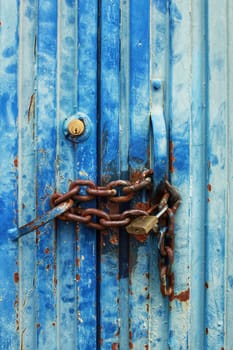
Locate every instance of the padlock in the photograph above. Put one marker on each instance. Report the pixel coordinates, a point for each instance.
(144, 224)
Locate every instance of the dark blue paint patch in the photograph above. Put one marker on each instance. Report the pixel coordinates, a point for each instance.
(71, 20)
(11, 69)
(30, 13)
(213, 160)
(69, 41)
(175, 13)
(175, 58)
(141, 299)
(171, 334)
(66, 299)
(71, 311)
(70, 3)
(161, 5)
(3, 110)
(230, 281)
(8, 52)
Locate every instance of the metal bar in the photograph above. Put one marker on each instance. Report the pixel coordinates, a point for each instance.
(45, 218)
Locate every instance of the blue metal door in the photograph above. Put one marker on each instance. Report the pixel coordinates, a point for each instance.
(127, 66)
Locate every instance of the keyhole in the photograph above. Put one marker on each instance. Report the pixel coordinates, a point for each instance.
(76, 127)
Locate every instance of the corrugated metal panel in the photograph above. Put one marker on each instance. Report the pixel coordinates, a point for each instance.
(66, 286)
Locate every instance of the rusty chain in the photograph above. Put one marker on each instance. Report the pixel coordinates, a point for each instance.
(121, 191)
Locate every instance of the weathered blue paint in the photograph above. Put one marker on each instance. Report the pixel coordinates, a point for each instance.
(216, 175)
(109, 325)
(45, 131)
(9, 297)
(123, 64)
(138, 159)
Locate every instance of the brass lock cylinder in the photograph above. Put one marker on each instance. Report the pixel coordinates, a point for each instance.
(76, 127)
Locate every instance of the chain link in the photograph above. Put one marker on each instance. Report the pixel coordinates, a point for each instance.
(122, 191)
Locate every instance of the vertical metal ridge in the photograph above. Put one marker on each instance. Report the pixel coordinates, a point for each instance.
(124, 121)
(124, 84)
(159, 99)
(229, 241)
(216, 151)
(26, 169)
(198, 175)
(180, 95)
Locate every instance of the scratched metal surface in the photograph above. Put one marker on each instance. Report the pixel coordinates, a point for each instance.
(66, 286)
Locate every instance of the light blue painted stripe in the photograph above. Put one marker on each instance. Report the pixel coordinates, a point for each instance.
(46, 154)
(138, 159)
(109, 170)
(65, 160)
(159, 42)
(216, 153)
(124, 126)
(229, 238)
(86, 167)
(180, 113)
(8, 162)
(198, 203)
(27, 172)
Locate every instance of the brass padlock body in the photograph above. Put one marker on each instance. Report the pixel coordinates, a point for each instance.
(142, 225)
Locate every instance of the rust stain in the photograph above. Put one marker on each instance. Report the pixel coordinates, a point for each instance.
(31, 108)
(206, 285)
(141, 238)
(114, 240)
(78, 277)
(78, 262)
(142, 206)
(182, 296)
(171, 157)
(115, 346)
(53, 324)
(47, 251)
(38, 325)
(206, 331)
(16, 277)
(47, 267)
(209, 187)
(130, 340)
(136, 176)
(146, 347)
(16, 162)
